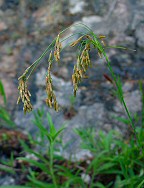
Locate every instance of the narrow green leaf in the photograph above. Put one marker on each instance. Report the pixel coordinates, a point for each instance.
(14, 186)
(29, 150)
(51, 125)
(7, 169)
(2, 92)
(58, 132)
(74, 180)
(105, 167)
(99, 185)
(141, 185)
(40, 165)
(40, 184)
(4, 115)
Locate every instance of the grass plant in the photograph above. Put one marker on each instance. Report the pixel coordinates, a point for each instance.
(115, 162)
(87, 41)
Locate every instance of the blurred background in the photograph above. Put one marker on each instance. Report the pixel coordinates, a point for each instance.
(27, 27)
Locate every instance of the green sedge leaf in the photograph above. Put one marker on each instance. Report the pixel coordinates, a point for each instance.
(40, 165)
(51, 125)
(58, 133)
(14, 186)
(2, 92)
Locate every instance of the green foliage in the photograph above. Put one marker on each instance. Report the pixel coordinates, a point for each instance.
(2, 92)
(113, 156)
(142, 99)
(14, 186)
(44, 164)
(4, 114)
(5, 117)
(72, 100)
(116, 162)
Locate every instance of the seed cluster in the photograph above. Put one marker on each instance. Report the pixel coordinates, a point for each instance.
(85, 43)
(58, 47)
(24, 95)
(83, 62)
(51, 98)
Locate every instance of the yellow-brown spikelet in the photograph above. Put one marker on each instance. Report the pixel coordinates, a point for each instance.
(49, 90)
(24, 95)
(88, 62)
(50, 57)
(75, 89)
(18, 100)
(76, 78)
(73, 79)
(58, 47)
(56, 107)
(51, 98)
(83, 62)
(103, 42)
(81, 73)
(85, 59)
(100, 54)
(76, 41)
(79, 63)
(48, 102)
(75, 82)
(102, 36)
(87, 47)
(84, 67)
(89, 37)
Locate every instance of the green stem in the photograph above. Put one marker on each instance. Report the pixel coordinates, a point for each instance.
(120, 47)
(120, 93)
(51, 152)
(77, 25)
(142, 99)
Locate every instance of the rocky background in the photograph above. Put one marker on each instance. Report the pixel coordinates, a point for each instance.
(27, 27)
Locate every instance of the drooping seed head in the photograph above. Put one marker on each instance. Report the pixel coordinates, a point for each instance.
(51, 98)
(24, 95)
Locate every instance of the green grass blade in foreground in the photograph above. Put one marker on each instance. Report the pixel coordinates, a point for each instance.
(2, 92)
(37, 121)
(39, 184)
(14, 186)
(58, 133)
(40, 165)
(141, 184)
(30, 151)
(99, 185)
(142, 99)
(74, 181)
(7, 169)
(4, 115)
(51, 125)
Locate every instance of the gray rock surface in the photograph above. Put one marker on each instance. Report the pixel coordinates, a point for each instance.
(7, 180)
(139, 34)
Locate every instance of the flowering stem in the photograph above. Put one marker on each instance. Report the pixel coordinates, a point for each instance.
(121, 98)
